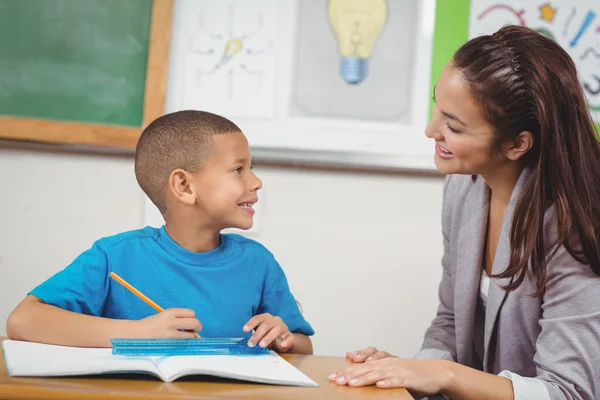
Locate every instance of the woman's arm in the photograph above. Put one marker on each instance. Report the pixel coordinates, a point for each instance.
(427, 377)
(466, 383)
(565, 359)
(567, 347)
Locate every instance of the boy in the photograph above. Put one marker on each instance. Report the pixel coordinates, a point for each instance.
(195, 167)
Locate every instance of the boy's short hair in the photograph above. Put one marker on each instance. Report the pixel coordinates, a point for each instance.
(182, 139)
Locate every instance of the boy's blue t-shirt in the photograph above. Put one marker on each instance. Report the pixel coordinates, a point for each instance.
(225, 287)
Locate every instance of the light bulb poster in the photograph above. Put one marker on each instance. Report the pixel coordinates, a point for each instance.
(229, 57)
(574, 24)
(357, 25)
(355, 60)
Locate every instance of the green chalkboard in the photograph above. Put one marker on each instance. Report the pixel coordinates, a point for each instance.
(74, 60)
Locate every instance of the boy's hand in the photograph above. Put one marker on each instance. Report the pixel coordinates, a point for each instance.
(171, 323)
(269, 331)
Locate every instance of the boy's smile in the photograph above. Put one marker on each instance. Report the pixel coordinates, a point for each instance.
(248, 207)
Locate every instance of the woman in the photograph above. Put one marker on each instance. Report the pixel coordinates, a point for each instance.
(519, 313)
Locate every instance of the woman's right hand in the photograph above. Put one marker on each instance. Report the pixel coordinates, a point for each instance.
(171, 323)
(366, 355)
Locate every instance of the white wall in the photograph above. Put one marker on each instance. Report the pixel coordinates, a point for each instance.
(53, 206)
(362, 252)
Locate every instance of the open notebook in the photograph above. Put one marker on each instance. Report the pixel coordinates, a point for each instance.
(35, 359)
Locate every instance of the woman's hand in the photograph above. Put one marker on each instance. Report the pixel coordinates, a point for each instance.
(368, 354)
(426, 377)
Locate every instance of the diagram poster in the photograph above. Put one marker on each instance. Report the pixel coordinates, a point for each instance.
(230, 57)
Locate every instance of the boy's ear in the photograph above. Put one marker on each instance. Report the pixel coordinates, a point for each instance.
(520, 146)
(180, 186)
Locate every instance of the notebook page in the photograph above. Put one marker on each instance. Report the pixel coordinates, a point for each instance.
(270, 369)
(36, 359)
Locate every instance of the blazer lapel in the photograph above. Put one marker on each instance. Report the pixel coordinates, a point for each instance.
(497, 294)
(468, 271)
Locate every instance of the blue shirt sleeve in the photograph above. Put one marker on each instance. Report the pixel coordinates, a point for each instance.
(278, 300)
(81, 287)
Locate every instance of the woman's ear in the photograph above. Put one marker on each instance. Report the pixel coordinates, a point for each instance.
(520, 146)
(180, 186)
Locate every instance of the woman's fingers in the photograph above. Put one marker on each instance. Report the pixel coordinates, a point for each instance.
(361, 355)
(378, 356)
(369, 378)
(393, 382)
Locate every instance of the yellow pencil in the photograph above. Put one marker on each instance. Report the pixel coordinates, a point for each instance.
(139, 294)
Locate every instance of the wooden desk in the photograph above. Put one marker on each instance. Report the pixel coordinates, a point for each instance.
(317, 367)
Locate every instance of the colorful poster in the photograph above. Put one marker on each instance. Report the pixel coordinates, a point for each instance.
(574, 24)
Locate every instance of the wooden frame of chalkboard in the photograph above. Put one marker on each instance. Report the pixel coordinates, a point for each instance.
(103, 135)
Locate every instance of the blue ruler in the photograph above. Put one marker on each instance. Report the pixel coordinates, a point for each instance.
(185, 347)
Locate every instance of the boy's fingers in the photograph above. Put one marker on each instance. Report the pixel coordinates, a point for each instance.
(183, 335)
(259, 333)
(188, 323)
(287, 340)
(181, 312)
(272, 335)
(255, 321)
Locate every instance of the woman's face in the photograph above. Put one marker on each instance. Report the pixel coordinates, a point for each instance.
(463, 139)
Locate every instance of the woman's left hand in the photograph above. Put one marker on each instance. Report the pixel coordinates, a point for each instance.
(423, 376)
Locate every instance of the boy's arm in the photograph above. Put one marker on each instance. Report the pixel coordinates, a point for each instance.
(65, 309)
(278, 301)
(302, 344)
(35, 321)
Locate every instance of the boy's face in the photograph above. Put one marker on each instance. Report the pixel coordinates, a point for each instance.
(225, 187)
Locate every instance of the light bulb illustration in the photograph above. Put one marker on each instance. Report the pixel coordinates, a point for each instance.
(357, 25)
(232, 47)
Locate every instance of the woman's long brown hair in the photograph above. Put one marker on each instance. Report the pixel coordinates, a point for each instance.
(524, 81)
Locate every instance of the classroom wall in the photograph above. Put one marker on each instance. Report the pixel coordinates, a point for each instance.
(362, 252)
